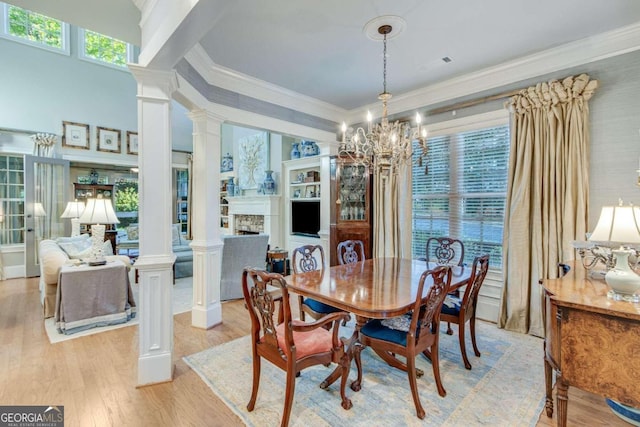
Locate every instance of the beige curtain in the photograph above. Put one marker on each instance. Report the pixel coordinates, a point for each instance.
(392, 213)
(46, 189)
(548, 193)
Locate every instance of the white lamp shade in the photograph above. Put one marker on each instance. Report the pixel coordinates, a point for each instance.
(73, 210)
(99, 211)
(618, 224)
(38, 209)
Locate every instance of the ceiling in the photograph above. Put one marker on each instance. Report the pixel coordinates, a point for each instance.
(319, 49)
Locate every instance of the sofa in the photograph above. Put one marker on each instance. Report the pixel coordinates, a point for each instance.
(53, 254)
(180, 247)
(238, 252)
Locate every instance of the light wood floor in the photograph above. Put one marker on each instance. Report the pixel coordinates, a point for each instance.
(94, 377)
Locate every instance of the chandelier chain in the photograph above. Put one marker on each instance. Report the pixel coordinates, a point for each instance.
(384, 64)
(384, 146)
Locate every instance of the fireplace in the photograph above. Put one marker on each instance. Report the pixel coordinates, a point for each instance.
(254, 215)
(248, 224)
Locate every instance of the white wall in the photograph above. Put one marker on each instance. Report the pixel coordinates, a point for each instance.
(41, 89)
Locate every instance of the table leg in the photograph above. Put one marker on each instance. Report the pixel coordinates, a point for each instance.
(349, 345)
(562, 399)
(548, 383)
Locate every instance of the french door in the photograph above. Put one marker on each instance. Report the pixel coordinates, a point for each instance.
(45, 195)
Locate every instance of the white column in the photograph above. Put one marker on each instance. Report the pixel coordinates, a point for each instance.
(206, 244)
(155, 361)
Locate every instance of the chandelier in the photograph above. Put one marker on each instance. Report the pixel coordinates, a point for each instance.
(385, 146)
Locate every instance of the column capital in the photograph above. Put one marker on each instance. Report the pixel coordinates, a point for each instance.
(203, 114)
(158, 84)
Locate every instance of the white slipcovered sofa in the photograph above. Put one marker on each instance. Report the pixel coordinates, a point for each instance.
(53, 254)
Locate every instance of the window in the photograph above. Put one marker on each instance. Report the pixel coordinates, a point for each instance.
(35, 29)
(104, 49)
(126, 201)
(463, 195)
(181, 191)
(11, 200)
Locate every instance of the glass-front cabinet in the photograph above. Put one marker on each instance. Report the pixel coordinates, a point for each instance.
(351, 205)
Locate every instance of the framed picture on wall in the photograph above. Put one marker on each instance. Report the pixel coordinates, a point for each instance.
(75, 135)
(254, 159)
(132, 142)
(108, 139)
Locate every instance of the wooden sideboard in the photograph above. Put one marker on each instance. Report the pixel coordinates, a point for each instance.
(592, 342)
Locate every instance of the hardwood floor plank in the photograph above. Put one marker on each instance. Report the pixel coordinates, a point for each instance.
(94, 377)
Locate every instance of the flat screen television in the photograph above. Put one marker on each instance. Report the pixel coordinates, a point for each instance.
(305, 218)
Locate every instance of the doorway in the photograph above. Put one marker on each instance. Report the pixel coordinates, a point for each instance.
(45, 181)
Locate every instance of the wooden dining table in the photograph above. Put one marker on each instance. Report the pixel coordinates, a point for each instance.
(371, 289)
(375, 288)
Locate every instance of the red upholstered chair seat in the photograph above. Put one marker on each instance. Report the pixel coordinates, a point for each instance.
(307, 343)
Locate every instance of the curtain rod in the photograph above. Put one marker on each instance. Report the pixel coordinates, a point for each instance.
(473, 102)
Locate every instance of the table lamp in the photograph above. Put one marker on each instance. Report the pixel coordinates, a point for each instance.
(620, 224)
(74, 210)
(98, 212)
(38, 210)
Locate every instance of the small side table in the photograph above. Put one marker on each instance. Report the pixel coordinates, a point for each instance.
(88, 297)
(278, 261)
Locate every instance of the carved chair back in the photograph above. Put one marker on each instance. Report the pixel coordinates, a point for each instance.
(350, 251)
(308, 258)
(445, 251)
(478, 273)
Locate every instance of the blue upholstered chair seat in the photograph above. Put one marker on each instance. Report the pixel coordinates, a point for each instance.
(320, 307)
(451, 305)
(375, 329)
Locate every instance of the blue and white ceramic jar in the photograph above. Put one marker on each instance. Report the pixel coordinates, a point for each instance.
(295, 152)
(309, 148)
(227, 163)
(231, 187)
(269, 183)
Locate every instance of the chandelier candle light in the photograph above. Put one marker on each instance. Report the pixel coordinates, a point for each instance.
(385, 145)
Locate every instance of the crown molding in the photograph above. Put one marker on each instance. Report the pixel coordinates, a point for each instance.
(232, 80)
(601, 46)
(192, 97)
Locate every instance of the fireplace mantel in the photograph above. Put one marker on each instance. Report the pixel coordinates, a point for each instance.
(267, 206)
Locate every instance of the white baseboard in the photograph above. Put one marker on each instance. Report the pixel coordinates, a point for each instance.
(14, 272)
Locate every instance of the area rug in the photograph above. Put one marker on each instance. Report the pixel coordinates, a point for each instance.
(182, 301)
(504, 388)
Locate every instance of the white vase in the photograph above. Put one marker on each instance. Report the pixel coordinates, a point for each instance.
(621, 279)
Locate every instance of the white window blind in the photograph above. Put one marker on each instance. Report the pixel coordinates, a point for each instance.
(463, 194)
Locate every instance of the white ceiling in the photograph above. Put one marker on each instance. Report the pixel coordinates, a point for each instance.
(318, 48)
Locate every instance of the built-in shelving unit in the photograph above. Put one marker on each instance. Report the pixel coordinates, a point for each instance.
(305, 208)
(224, 203)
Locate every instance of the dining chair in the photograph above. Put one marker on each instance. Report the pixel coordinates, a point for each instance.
(445, 250)
(461, 311)
(563, 269)
(310, 258)
(350, 251)
(291, 345)
(412, 334)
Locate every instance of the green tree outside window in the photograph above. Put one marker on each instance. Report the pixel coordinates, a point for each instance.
(35, 27)
(104, 48)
